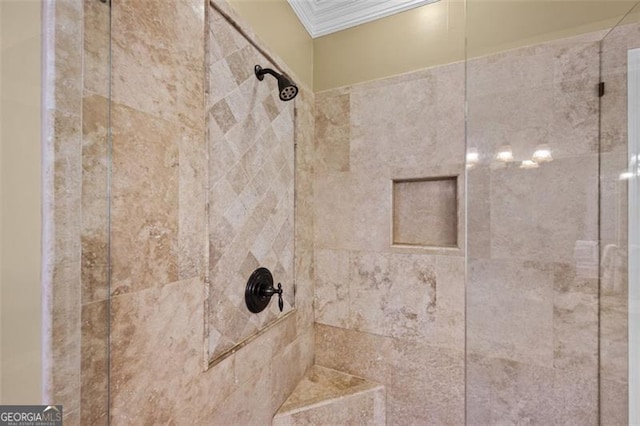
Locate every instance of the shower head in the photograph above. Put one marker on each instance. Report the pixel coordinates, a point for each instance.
(287, 89)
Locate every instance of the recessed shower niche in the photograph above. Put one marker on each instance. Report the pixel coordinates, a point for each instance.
(251, 187)
(425, 212)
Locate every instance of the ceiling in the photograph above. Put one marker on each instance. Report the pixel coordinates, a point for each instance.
(322, 17)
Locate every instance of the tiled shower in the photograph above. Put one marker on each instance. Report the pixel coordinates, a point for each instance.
(455, 235)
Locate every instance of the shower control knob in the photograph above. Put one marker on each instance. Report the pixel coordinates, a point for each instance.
(260, 289)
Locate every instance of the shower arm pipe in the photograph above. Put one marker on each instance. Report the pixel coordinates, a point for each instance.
(269, 71)
(244, 34)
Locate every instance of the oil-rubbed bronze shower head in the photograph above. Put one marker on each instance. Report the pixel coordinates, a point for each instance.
(287, 89)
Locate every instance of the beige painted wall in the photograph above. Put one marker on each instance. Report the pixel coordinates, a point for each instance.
(422, 37)
(20, 241)
(495, 26)
(278, 26)
(434, 34)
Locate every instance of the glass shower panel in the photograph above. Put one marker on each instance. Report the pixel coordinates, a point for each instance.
(619, 58)
(532, 221)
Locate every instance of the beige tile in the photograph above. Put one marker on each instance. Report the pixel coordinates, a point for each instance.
(158, 66)
(576, 398)
(450, 99)
(63, 190)
(154, 334)
(96, 38)
(67, 182)
(223, 38)
(332, 131)
(492, 124)
(71, 418)
(614, 403)
(393, 294)
(145, 200)
(246, 101)
(331, 303)
(236, 411)
(240, 64)
(341, 349)
(220, 81)
(305, 131)
(352, 212)
(613, 338)
(286, 371)
(94, 208)
(94, 390)
(350, 410)
(66, 78)
(478, 203)
(64, 334)
(450, 303)
(613, 106)
(574, 129)
(322, 384)
(575, 333)
(393, 127)
(326, 396)
(503, 391)
(516, 69)
(563, 229)
(209, 389)
(222, 115)
(551, 88)
(192, 199)
(424, 384)
(253, 358)
(510, 311)
(509, 392)
(568, 278)
(228, 320)
(575, 57)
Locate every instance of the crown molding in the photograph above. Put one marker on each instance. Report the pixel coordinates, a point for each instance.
(322, 17)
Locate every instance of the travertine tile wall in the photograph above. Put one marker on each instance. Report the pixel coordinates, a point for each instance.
(390, 314)
(251, 223)
(62, 192)
(614, 396)
(75, 158)
(532, 277)
(160, 241)
(394, 315)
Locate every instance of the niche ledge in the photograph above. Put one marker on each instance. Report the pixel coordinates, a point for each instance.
(425, 212)
(326, 396)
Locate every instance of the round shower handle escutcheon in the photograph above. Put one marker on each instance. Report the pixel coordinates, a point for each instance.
(260, 289)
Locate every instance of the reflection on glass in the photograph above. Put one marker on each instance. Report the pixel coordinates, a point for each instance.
(528, 164)
(472, 157)
(542, 154)
(505, 154)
